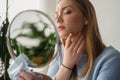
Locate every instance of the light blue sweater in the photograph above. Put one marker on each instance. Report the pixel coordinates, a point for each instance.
(106, 66)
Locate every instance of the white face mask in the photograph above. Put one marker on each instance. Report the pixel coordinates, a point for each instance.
(20, 63)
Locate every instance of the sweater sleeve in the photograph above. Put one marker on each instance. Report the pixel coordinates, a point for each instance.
(53, 68)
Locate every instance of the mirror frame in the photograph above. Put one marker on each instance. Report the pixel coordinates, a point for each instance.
(10, 50)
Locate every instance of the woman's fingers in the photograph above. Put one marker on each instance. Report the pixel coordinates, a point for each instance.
(25, 75)
(21, 78)
(75, 40)
(78, 44)
(81, 47)
(74, 43)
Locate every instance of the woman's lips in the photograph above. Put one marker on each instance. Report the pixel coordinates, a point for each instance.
(60, 27)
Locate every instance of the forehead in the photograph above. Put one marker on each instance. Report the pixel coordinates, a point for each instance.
(62, 3)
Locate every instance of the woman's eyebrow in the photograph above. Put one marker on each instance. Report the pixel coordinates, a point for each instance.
(64, 7)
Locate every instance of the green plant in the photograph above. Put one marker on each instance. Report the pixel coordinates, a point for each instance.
(4, 55)
(40, 53)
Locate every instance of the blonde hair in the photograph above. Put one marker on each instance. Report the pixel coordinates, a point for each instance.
(94, 42)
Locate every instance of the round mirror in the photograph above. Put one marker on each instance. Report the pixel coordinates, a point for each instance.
(33, 33)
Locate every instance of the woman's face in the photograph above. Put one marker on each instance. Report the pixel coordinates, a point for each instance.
(69, 18)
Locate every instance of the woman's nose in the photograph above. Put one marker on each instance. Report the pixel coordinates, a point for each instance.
(59, 19)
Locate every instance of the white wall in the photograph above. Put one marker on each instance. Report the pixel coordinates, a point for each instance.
(16, 6)
(48, 6)
(108, 14)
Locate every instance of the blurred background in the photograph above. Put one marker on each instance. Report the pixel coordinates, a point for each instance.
(107, 11)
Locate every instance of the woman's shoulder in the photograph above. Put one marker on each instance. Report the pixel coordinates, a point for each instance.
(111, 50)
(108, 53)
(106, 66)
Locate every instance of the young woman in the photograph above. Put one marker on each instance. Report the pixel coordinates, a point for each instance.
(83, 56)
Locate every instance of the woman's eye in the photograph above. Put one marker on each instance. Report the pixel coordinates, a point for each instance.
(67, 12)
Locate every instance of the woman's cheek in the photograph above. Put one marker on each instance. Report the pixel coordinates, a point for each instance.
(76, 24)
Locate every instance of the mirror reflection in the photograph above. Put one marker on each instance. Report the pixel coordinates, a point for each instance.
(33, 34)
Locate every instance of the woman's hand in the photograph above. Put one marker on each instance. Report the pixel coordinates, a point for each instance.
(74, 45)
(28, 76)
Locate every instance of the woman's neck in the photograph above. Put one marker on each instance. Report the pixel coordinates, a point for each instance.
(63, 42)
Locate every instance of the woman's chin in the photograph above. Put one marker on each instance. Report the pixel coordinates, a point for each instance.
(63, 35)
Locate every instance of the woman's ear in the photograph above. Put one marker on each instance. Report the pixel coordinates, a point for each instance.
(85, 26)
(85, 21)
